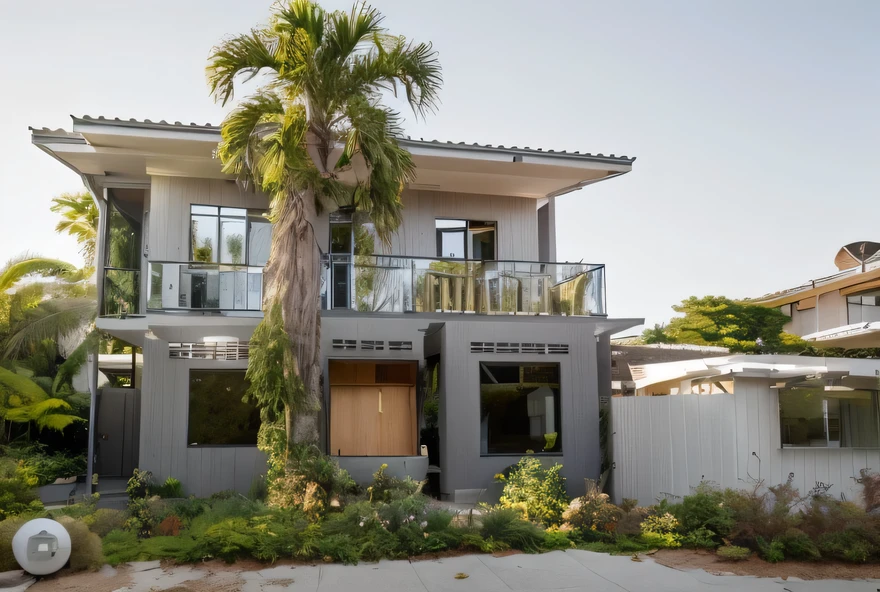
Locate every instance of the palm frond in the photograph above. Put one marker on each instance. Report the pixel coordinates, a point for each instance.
(243, 56)
(75, 360)
(349, 30)
(300, 15)
(53, 319)
(79, 219)
(21, 388)
(17, 269)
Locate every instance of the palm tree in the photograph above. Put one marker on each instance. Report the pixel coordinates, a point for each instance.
(79, 219)
(315, 136)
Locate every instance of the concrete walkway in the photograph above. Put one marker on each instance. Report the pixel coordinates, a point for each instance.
(570, 571)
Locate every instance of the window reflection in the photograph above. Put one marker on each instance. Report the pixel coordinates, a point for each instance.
(829, 419)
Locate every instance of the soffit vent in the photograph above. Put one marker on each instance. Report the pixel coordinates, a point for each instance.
(370, 345)
(400, 345)
(482, 347)
(344, 344)
(637, 372)
(229, 350)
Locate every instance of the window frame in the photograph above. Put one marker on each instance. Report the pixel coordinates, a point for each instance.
(248, 212)
(782, 446)
(468, 248)
(190, 371)
(558, 407)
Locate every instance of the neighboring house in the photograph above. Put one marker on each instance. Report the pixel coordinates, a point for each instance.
(627, 359)
(467, 299)
(840, 310)
(813, 420)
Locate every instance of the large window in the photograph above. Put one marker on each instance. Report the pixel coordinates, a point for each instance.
(217, 414)
(829, 419)
(229, 235)
(519, 408)
(465, 239)
(863, 308)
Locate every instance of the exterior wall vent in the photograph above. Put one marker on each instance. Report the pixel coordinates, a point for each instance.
(372, 345)
(557, 348)
(534, 348)
(230, 350)
(507, 348)
(400, 345)
(344, 344)
(482, 347)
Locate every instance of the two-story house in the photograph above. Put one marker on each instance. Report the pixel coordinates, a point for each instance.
(839, 310)
(467, 309)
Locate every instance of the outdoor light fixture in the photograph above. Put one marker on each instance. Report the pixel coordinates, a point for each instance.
(41, 546)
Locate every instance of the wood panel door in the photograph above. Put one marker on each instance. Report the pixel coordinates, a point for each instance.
(373, 420)
(354, 421)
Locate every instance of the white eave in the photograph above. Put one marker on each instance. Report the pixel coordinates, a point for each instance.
(848, 336)
(131, 149)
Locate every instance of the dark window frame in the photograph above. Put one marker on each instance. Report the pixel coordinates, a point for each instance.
(256, 212)
(557, 407)
(189, 443)
(439, 232)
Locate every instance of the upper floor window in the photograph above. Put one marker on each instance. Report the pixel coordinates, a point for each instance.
(863, 308)
(237, 236)
(465, 239)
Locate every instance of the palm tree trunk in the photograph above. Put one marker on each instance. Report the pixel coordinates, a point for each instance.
(293, 277)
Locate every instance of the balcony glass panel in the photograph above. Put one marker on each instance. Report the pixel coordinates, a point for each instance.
(121, 292)
(195, 286)
(401, 284)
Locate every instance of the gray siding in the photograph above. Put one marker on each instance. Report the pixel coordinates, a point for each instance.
(462, 465)
(163, 433)
(170, 200)
(668, 445)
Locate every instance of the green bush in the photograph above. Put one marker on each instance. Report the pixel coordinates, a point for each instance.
(702, 538)
(852, 545)
(85, 546)
(657, 540)
(8, 528)
(772, 552)
(592, 512)
(172, 488)
(105, 520)
(139, 484)
(339, 547)
(17, 495)
(259, 489)
(797, 545)
(537, 491)
(386, 488)
(733, 553)
(505, 525)
(557, 539)
(705, 508)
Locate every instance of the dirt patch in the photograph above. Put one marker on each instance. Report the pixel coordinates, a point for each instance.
(685, 559)
(106, 580)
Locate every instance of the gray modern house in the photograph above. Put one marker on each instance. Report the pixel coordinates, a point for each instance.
(464, 336)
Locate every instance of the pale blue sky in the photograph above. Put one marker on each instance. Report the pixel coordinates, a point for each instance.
(755, 123)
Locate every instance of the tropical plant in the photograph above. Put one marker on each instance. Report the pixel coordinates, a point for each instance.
(316, 135)
(538, 492)
(79, 219)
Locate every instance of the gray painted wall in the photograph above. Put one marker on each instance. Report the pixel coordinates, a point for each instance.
(202, 470)
(463, 468)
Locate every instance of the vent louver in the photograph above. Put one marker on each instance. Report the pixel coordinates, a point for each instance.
(482, 347)
(344, 344)
(504, 347)
(230, 350)
(369, 345)
(400, 345)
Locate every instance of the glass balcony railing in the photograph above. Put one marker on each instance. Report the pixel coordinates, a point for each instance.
(204, 286)
(404, 284)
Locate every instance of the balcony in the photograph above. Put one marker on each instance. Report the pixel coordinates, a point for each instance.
(213, 287)
(406, 284)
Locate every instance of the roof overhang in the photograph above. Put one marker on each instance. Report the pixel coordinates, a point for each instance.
(127, 152)
(858, 335)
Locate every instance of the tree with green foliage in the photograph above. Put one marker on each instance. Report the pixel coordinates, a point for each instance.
(79, 219)
(315, 136)
(739, 326)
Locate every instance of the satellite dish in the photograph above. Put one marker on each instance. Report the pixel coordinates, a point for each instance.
(855, 254)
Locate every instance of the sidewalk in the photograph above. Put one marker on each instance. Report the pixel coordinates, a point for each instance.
(570, 571)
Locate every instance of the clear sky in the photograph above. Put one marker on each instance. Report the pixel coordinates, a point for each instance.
(756, 124)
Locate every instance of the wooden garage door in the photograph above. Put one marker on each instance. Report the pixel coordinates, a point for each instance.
(372, 420)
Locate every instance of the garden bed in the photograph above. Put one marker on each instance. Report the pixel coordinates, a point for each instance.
(688, 559)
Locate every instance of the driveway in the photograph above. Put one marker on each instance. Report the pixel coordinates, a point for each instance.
(569, 570)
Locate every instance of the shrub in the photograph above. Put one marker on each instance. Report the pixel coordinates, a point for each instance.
(399, 513)
(733, 553)
(339, 547)
(704, 508)
(797, 545)
(505, 525)
(85, 546)
(849, 545)
(386, 488)
(259, 489)
(628, 504)
(702, 538)
(17, 494)
(310, 481)
(773, 552)
(557, 539)
(228, 539)
(172, 488)
(139, 484)
(8, 528)
(438, 520)
(537, 491)
(593, 511)
(870, 489)
(630, 522)
(140, 517)
(105, 520)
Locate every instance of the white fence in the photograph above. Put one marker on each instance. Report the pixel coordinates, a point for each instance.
(665, 446)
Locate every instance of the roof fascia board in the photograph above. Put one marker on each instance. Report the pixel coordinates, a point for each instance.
(198, 134)
(832, 286)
